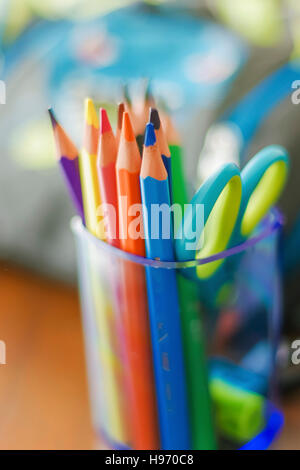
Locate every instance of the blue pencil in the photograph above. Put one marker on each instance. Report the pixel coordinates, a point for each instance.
(163, 306)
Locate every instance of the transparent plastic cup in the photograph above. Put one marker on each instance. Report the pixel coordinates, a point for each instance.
(238, 322)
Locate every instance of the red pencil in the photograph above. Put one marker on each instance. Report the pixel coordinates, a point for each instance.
(106, 165)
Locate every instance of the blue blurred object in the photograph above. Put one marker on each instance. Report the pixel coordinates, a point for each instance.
(243, 120)
(264, 439)
(189, 60)
(248, 115)
(238, 376)
(259, 360)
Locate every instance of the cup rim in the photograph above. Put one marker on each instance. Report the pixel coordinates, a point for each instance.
(271, 223)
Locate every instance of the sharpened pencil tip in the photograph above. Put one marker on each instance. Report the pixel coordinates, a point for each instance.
(52, 117)
(121, 110)
(154, 118)
(148, 93)
(126, 94)
(127, 128)
(150, 138)
(104, 122)
(90, 114)
(64, 145)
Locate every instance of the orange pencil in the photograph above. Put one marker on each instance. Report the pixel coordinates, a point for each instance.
(135, 314)
(128, 167)
(129, 107)
(106, 164)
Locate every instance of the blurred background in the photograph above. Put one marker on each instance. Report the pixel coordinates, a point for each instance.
(202, 58)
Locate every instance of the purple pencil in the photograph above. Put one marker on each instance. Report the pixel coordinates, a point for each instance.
(67, 155)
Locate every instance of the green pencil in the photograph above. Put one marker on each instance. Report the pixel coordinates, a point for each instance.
(200, 408)
(179, 191)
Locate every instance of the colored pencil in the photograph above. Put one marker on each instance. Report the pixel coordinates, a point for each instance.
(144, 113)
(163, 145)
(139, 109)
(107, 157)
(121, 109)
(88, 172)
(67, 155)
(135, 313)
(128, 107)
(200, 407)
(180, 193)
(164, 307)
(106, 164)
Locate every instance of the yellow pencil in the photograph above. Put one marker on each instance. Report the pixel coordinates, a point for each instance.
(88, 172)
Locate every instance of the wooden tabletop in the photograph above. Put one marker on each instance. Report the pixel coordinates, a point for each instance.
(43, 389)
